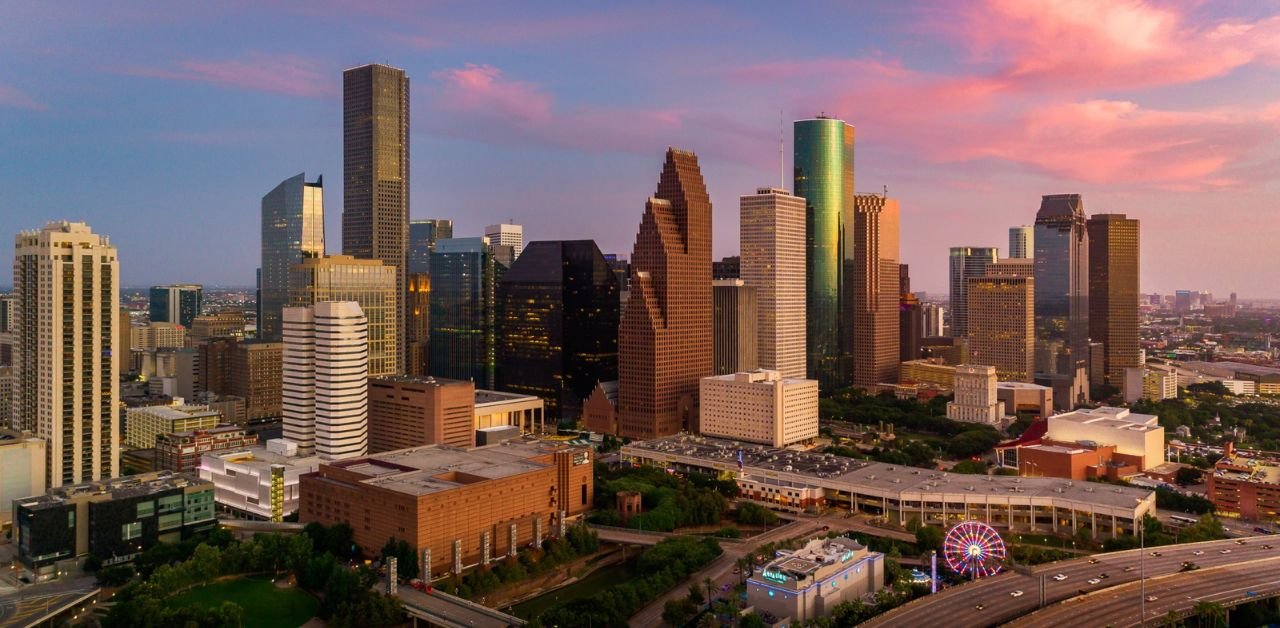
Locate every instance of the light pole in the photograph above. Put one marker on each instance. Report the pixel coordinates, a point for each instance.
(1142, 569)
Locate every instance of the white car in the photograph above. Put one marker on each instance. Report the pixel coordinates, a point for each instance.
(1224, 551)
(1094, 581)
(1017, 593)
(1198, 553)
(1152, 598)
(1060, 577)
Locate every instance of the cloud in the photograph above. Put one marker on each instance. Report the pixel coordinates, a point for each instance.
(484, 90)
(279, 74)
(14, 97)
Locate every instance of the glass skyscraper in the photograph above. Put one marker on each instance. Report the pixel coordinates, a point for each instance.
(292, 230)
(824, 178)
(423, 235)
(179, 304)
(464, 279)
(966, 262)
(1062, 283)
(558, 325)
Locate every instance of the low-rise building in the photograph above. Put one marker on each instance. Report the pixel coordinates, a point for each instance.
(113, 521)
(975, 400)
(21, 470)
(496, 409)
(1019, 397)
(1137, 436)
(759, 407)
(260, 483)
(806, 584)
(928, 371)
(145, 423)
(1247, 487)
(181, 451)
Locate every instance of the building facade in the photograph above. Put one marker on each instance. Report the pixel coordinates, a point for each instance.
(772, 236)
(1113, 293)
(292, 230)
(423, 235)
(664, 340)
(464, 284)
(181, 451)
(967, 262)
(260, 483)
(734, 347)
(1022, 242)
(806, 584)
(178, 304)
(1062, 282)
(325, 370)
(1001, 313)
(147, 423)
(22, 458)
(760, 407)
(371, 284)
(409, 412)
(66, 380)
(976, 400)
(255, 376)
(507, 234)
(875, 290)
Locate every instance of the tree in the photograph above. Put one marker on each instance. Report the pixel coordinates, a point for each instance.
(695, 595)
(929, 538)
(677, 612)
(1188, 475)
(751, 620)
(406, 558)
(1211, 614)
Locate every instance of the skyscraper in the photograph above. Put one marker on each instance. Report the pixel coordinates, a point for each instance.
(178, 304)
(772, 236)
(292, 230)
(1062, 288)
(966, 262)
(910, 318)
(733, 343)
(368, 282)
(1113, 292)
(423, 235)
(325, 379)
(1002, 325)
(506, 234)
(464, 280)
(65, 378)
(375, 174)
(1022, 241)
(824, 178)
(664, 341)
(558, 325)
(875, 290)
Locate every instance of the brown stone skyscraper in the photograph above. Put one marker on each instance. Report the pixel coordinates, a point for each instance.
(1113, 292)
(375, 168)
(876, 290)
(664, 341)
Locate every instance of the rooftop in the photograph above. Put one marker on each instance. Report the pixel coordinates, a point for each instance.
(118, 488)
(259, 457)
(493, 396)
(435, 468)
(1021, 386)
(1109, 417)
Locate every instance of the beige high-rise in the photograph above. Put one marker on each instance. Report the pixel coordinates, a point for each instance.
(772, 236)
(1002, 325)
(875, 290)
(65, 378)
(368, 282)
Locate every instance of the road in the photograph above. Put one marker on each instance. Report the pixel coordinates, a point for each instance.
(959, 604)
(446, 610)
(29, 604)
(1119, 606)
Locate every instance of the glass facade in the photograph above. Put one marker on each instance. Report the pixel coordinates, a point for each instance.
(423, 235)
(1062, 289)
(176, 304)
(292, 230)
(824, 177)
(369, 283)
(462, 311)
(1114, 317)
(558, 325)
(967, 262)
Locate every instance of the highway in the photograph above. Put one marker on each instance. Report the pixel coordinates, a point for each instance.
(959, 604)
(442, 609)
(32, 605)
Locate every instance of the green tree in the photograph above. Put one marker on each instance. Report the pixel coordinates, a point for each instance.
(929, 538)
(696, 597)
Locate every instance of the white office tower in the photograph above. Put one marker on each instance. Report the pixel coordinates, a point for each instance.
(326, 379)
(66, 384)
(506, 235)
(772, 236)
(976, 400)
(759, 407)
(1022, 242)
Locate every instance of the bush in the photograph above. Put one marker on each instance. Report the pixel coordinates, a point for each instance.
(751, 513)
(729, 532)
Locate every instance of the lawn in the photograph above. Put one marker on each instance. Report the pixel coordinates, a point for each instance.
(265, 606)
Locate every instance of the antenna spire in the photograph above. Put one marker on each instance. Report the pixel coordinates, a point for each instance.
(782, 161)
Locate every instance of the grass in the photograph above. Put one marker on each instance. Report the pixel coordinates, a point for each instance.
(265, 605)
(592, 585)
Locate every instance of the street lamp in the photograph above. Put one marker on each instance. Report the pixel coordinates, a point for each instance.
(1142, 569)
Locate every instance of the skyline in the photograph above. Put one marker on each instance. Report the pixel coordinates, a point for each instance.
(1159, 111)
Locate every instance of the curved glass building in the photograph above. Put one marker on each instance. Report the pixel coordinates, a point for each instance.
(824, 178)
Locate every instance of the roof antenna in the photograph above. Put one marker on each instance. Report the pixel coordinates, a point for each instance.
(782, 163)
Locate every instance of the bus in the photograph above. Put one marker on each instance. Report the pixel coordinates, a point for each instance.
(1181, 522)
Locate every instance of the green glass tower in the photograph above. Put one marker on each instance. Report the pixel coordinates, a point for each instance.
(824, 178)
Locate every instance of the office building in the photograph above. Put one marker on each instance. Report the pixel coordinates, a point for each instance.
(733, 343)
(1021, 397)
(503, 409)
(157, 336)
(806, 584)
(260, 483)
(934, 320)
(371, 284)
(967, 262)
(1013, 267)
(760, 407)
(1113, 293)
(824, 176)
(874, 290)
(1159, 385)
(910, 317)
(727, 268)
(178, 304)
(181, 451)
(254, 375)
(325, 369)
(112, 521)
(931, 372)
(226, 324)
(772, 236)
(464, 283)
(22, 458)
(409, 412)
(664, 340)
(123, 353)
(8, 303)
(146, 423)
(1022, 241)
(1001, 312)
(292, 230)
(457, 508)
(976, 400)
(557, 327)
(507, 234)
(6, 396)
(1062, 282)
(423, 235)
(66, 384)
(1245, 487)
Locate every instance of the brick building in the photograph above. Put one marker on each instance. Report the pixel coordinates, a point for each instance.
(415, 411)
(181, 451)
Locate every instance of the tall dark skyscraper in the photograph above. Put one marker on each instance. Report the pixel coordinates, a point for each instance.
(375, 171)
(558, 325)
(664, 340)
(1062, 284)
(464, 280)
(824, 179)
(179, 304)
(1114, 292)
(292, 230)
(423, 235)
(967, 262)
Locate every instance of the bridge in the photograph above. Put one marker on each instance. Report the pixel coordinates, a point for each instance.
(1229, 570)
(441, 609)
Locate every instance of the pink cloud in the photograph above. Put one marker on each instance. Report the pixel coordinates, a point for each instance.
(482, 89)
(14, 97)
(280, 74)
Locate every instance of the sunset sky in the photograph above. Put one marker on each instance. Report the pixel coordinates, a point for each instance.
(162, 126)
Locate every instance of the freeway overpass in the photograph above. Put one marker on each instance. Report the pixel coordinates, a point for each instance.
(1001, 603)
(441, 609)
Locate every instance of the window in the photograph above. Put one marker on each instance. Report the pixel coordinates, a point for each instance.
(130, 531)
(146, 509)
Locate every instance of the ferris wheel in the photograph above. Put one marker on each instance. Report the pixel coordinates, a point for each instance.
(973, 549)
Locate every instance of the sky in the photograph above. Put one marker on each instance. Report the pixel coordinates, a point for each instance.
(162, 124)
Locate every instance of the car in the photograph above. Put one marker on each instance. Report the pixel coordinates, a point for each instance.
(1198, 553)
(1017, 593)
(980, 606)
(1266, 547)
(1095, 581)
(1156, 554)
(1152, 598)
(1240, 542)
(825, 528)
(1189, 566)
(1103, 575)
(1224, 551)
(1093, 561)
(1060, 577)
(1129, 568)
